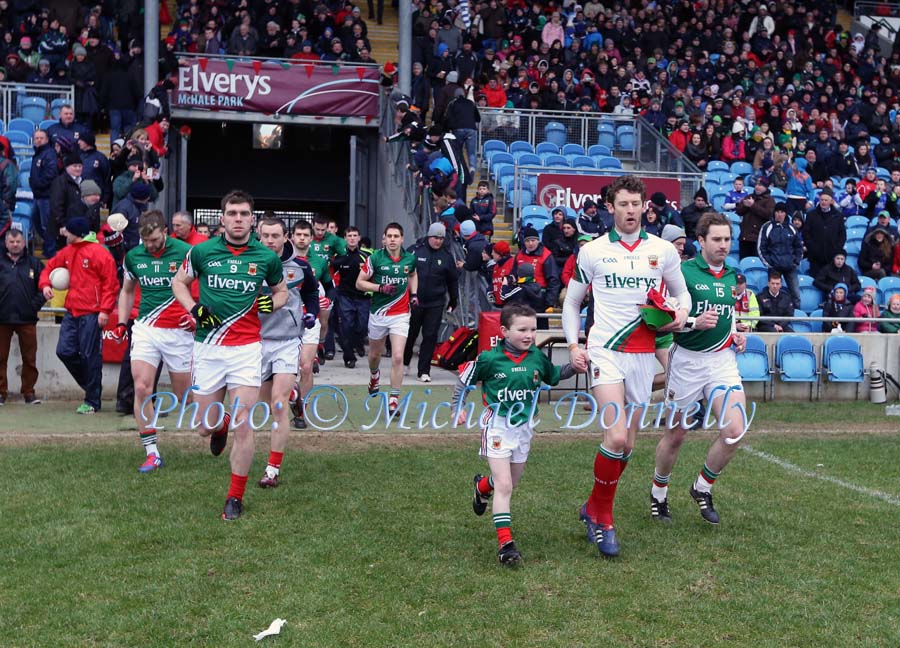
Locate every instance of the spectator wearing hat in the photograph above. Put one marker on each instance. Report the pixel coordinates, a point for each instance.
(841, 163)
(438, 293)
(439, 66)
(780, 248)
(65, 196)
(746, 306)
(799, 191)
(835, 272)
(95, 166)
(560, 236)
(691, 214)
(677, 237)
(589, 221)
(823, 234)
(755, 211)
(521, 288)
(132, 206)
(868, 183)
(500, 265)
(83, 74)
(866, 307)
(662, 214)
(681, 136)
(733, 146)
(20, 301)
(876, 254)
(837, 305)
(546, 273)
(91, 196)
(91, 298)
(774, 302)
(44, 169)
(473, 288)
(135, 172)
(849, 200)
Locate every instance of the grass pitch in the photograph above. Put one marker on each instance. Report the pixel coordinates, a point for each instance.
(371, 541)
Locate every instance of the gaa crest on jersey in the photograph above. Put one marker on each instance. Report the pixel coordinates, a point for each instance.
(653, 260)
(251, 269)
(406, 269)
(291, 275)
(495, 443)
(173, 266)
(595, 372)
(537, 377)
(84, 263)
(734, 292)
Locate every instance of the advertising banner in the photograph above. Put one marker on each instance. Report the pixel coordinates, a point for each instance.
(278, 88)
(571, 190)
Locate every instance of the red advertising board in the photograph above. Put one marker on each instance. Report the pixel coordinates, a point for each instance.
(278, 88)
(572, 190)
(113, 351)
(488, 330)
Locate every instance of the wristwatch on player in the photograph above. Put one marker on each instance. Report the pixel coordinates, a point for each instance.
(689, 323)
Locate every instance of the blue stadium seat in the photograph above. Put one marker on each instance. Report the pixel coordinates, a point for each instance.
(25, 166)
(756, 272)
(625, 138)
(494, 145)
(556, 160)
(607, 162)
(23, 179)
(741, 168)
(535, 211)
(56, 105)
(527, 159)
(47, 123)
(599, 149)
(842, 360)
(732, 217)
(816, 326)
(573, 149)
(753, 363)
(556, 133)
(777, 193)
(810, 296)
(888, 286)
(519, 197)
(2, 126)
(23, 125)
(546, 147)
(801, 326)
(856, 233)
(19, 137)
(717, 177)
(34, 109)
(795, 359)
(520, 145)
(499, 158)
(856, 221)
(606, 138)
(716, 165)
(853, 246)
(804, 266)
(583, 162)
(882, 174)
(853, 262)
(23, 222)
(717, 199)
(505, 175)
(733, 259)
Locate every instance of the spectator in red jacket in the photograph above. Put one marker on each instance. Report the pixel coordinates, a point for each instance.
(733, 146)
(681, 136)
(92, 297)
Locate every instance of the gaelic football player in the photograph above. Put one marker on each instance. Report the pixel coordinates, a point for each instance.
(231, 269)
(620, 268)
(301, 238)
(702, 364)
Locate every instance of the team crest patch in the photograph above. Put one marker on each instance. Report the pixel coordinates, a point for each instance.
(251, 269)
(84, 263)
(734, 292)
(596, 372)
(653, 260)
(537, 377)
(290, 275)
(173, 266)
(495, 443)
(405, 269)
(670, 395)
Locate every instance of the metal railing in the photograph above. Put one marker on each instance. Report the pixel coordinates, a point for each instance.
(14, 100)
(876, 9)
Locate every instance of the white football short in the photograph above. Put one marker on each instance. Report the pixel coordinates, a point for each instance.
(311, 335)
(499, 440)
(279, 357)
(693, 375)
(174, 346)
(216, 366)
(380, 326)
(636, 370)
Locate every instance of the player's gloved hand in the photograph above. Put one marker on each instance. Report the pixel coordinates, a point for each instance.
(187, 323)
(309, 320)
(265, 304)
(388, 289)
(205, 316)
(120, 331)
(414, 300)
(549, 310)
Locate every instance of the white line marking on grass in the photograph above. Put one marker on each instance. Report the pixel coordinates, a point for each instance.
(787, 465)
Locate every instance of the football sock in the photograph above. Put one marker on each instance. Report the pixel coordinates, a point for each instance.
(274, 461)
(238, 484)
(503, 524)
(149, 440)
(486, 486)
(705, 479)
(394, 393)
(660, 489)
(607, 467)
(623, 462)
(226, 421)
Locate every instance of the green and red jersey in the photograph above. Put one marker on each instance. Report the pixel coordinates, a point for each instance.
(329, 247)
(709, 290)
(384, 269)
(230, 281)
(153, 274)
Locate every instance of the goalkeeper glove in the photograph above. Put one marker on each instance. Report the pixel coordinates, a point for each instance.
(119, 331)
(205, 316)
(187, 323)
(309, 320)
(388, 289)
(265, 304)
(414, 300)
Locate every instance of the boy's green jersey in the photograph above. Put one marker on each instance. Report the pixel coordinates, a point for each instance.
(383, 269)
(230, 281)
(153, 275)
(709, 290)
(329, 247)
(507, 379)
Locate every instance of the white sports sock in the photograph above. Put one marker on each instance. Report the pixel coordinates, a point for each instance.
(151, 449)
(702, 485)
(272, 471)
(660, 493)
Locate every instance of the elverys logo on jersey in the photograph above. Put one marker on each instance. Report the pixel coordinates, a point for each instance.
(723, 310)
(615, 280)
(154, 282)
(507, 395)
(227, 283)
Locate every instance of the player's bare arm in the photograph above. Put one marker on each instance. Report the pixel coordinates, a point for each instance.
(126, 299)
(181, 288)
(571, 323)
(279, 295)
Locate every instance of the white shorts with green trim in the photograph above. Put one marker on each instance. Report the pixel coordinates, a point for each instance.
(380, 326)
(636, 370)
(216, 366)
(174, 346)
(693, 375)
(499, 440)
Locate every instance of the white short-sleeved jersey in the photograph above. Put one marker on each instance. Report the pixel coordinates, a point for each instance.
(620, 275)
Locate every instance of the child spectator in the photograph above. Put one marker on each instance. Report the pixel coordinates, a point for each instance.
(837, 306)
(483, 209)
(506, 433)
(891, 315)
(866, 307)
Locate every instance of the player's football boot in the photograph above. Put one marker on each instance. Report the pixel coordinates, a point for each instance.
(152, 463)
(660, 510)
(315, 365)
(233, 509)
(299, 422)
(704, 501)
(604, 538)
(320, 353)
(374, 379)
(479, 501)
(219, 439)
(508, 555)
(269, 480)
(393, 404)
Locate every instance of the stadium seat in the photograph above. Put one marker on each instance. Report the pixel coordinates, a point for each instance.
(22, 125)
(25, 166)
(535, 211)
(599, 149)
(583, 162)
(856, 233)
(47, 123)
(23, 222)
(2, 126)
(741, 168)
(882, 174)
(607, 162)
(56, 105)
(804, 266)
(23, 179)
(717, 199)
(856, 221)
(556, 160)
(717, 177)
(853, 246)
(733, 218)
(888, 286)
(816, 326)
(34, 109)
(777, 193)
(555, 133)
(606, 138)
(546, 147)
(716, 165)
(853, 262)
(795, 359)
(801, 326)
(499, 158)
(537, 221)
(521, 146)
(625, 138)
(842, 360)
(19, 137)
(734, 259)
(753, 363)
(573, 149)
(494, 145)
(529, 159)
(519, 197)
(810, 296)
